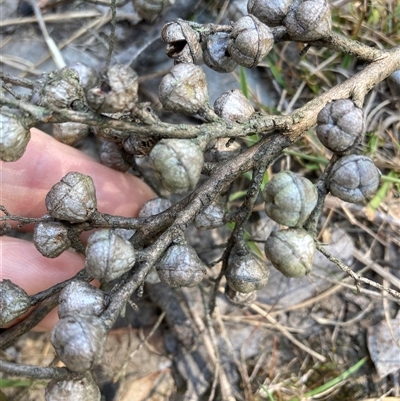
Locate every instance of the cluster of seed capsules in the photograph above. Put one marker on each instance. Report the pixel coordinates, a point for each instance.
(79, 336)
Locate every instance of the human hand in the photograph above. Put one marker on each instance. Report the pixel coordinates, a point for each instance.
(24, 185)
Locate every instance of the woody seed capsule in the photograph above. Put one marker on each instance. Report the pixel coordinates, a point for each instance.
(233, 106)
(118, 93)
(61, 89)
(108, 255)
(79, 341)
(184, 89)
(308, 20)
(154, 206)
(250, 41)
(14, 136)
(178, 163)
(215, 53)
(211, 217)
(14, 301)
(114, 156)
(51, 238)
(180, 267)
(270, 12)
(70, 133)
(72, 199)
(340, 125)
(182, 42)
(83, 389)
(291, 251)
(289, 199)
(354, 178)
(246, 273)
(240, 299)
(81, 298)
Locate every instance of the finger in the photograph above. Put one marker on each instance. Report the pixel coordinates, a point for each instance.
(26, 182)
(22, 264)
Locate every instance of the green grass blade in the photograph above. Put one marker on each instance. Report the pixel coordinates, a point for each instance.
(4, 383)
(269, 394)
(331, 383)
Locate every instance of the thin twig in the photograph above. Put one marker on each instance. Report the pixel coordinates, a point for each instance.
(357, 279)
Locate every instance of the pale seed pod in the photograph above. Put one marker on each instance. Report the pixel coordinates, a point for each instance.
(211, 217)
(291, 251)
(61, 89)
(270, 12)
(154, 206)
(72, 199)
(180, 267)
(138, 145)
(112, 155)
(354, 178)
(178, 163)
(82, 389)
(70, 133)
(14, 302)
(215, 53)
(87, 75)
(246, 272)
(108, 255)
(149, 10)
(118, 93)
(81, 298)
(183, 43)
(14, 136)
(250, 41)
(51, 238)
(340, 125)
(308, 20)
(79, 341)
(184, 89)
(233, 106)
(240, 299)
(289, 199)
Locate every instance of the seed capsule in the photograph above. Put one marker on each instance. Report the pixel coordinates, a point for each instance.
(184, 89)
(250, 41)
(178, 163)
(82, 298)
(108, 255)
(87, 75)
(72, 199)
(270, 12)
(70, 133)
(233, 106)
(151, 9)
(14, 136)
(154, 206)
(215, 53)
(79, 341)
(83, 389)
(340, 125)
(61, 89)
(182, 42)
(181, 267)
(118, 93)
(240, 299)
(308, 20)
(289, 199)
(14, 302)
(211, 217)
(51, 238)
(354, 178)
(291, 251)
(246, 273)
(114, 156)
